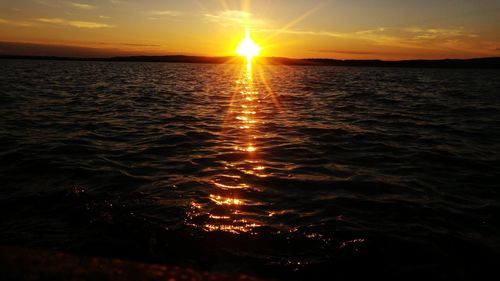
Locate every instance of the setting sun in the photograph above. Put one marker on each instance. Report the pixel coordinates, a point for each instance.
(248, 47)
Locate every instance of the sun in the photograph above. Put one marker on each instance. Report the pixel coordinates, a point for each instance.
(248, 48)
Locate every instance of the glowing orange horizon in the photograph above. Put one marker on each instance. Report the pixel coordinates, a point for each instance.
(295, 29)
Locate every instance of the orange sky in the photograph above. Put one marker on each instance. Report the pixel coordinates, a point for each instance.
(354, 29)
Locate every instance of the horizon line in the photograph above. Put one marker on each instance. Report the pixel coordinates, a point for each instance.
(481, 62)
(117, 56)
(25, 48)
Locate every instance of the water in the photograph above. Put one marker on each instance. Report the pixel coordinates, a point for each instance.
(276, 171)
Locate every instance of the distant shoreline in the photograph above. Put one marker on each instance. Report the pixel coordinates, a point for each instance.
(477, 63)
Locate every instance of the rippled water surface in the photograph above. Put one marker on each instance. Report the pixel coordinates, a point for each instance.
(277, 171)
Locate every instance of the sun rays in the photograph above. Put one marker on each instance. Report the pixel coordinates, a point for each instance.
(250, 104)
(248, 47)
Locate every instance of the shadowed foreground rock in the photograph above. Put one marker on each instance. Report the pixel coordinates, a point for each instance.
(23, 264)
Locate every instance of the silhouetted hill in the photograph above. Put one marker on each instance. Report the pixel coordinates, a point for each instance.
(490, 63)
(493, 62)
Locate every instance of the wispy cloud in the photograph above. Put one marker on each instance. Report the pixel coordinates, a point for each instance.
(88, 24)
(51, 20)
(304, 32)
(125, 2)
(62, 4)
(409, 37)
(82, 6)
(74, 23)
(234, 17)
(15, 23)
(166, 13)
(158, 15)
(141, 45)
(451, 38)
(52, 4)
(346, 52)
(438, 33)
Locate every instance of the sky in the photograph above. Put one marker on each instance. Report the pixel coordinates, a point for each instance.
(341, 29)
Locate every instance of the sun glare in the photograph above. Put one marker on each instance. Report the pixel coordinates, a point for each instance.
(248, 48)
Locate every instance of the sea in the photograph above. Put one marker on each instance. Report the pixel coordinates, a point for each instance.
(274, 171)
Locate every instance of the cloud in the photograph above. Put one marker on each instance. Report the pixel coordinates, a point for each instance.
(166, 13)
(129, 44)
(409, 37)
(416, 35)
(52, 20)
(86, 49)
(16, 23)
(141, 45)
(384, 33)
(437, 33)
(123, 2)
(359, 53)
(51, 4)
(88, 24)
(43, 49)
(74, 23)
(60, 4)
(234, 17)
(81, 6)
(346, 52)
(304, 32)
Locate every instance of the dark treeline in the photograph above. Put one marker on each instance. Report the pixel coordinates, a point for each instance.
(490, 63)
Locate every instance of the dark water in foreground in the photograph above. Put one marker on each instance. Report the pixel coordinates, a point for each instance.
(287, 172)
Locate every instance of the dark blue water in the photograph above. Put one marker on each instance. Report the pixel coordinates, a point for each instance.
(276, 171)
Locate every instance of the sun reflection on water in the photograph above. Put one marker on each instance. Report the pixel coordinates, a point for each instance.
(228, 205)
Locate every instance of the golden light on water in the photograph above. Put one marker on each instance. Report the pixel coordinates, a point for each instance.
(229, 205)
(251, 148)
(219, 200)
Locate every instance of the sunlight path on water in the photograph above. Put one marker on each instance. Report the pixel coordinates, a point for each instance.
(229, 208)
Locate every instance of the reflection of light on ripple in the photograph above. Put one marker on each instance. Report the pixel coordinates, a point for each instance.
(219, 217)
(226, 186)
(249, 148)
(245, 119)
(249, 93)
(227, 207)
(219, 200)
(221, 222)
(236, 229)
(195, 205)
(256, 171)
